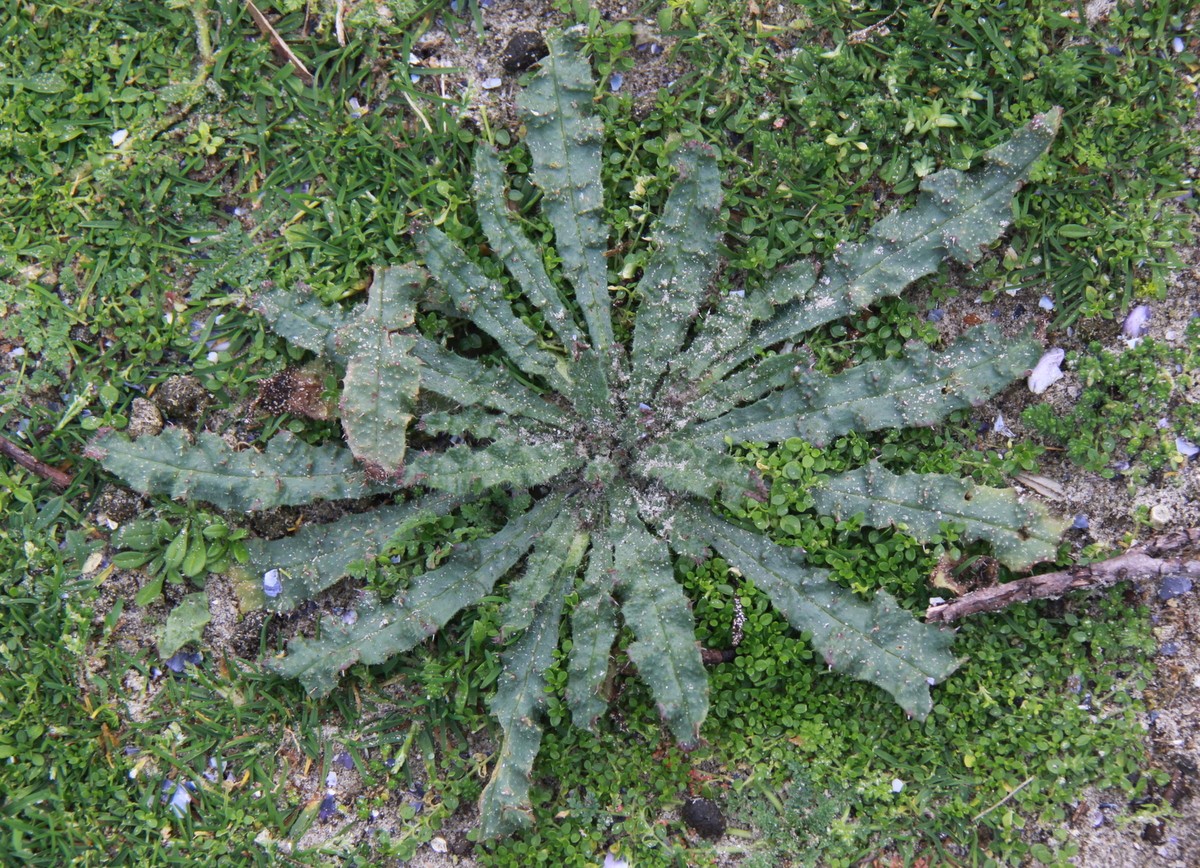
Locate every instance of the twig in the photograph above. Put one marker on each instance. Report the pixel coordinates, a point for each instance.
(1015, 790)
(1139, 564)
(281, 47)
(58, 478)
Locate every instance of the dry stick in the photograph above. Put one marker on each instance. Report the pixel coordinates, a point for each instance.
(1137, 565)
(58, 478)
(281, 47)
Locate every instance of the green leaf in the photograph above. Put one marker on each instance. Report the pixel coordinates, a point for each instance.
(687, 467)
(482, 301)
(318, 555)
(677, 276)
(185, 624)
(654, 607)
(920, 389)
(520, 697)
(878, 642)
(516, 460)
(303, 320)
(514, 248)
(564, 139)
(593, 631)
(957, 216)
(560, 551)
(1021, 533)
(289, 472)
(470, 383)
(382, 631)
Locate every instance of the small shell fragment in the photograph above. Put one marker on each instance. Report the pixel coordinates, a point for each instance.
(271, 584)
(1047, 371)
(897, 785)
(492, 83)
(1186, 447)
(439, 845)
(1137, 323)
(1001, 427)
(118, 138)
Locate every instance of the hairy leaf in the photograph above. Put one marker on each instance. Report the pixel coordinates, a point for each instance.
(653, 605)
(289, 472)
(920, 389)
(383, 630)
(878, 642)
(1020, 533)
(564, 140)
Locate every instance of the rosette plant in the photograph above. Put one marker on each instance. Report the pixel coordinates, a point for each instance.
(623, 448)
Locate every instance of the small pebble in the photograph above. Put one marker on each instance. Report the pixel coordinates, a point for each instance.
(328, 808)
(1178, 45)
(1168, 649)
(524, 50)
(1160, 516)
(1174, 586)
(936, 315)
(118, 138)
(1046, 303)
(1081, 522)
(897, 785)
(1186, 447)
(704, 817)
(492, 83)
(615, 82)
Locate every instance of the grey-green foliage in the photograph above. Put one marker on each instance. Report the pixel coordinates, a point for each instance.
(627, 450)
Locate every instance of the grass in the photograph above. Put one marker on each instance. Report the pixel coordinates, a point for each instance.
(132, 262)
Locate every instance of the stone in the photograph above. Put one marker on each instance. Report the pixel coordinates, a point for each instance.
(524, 50)
(704, 817)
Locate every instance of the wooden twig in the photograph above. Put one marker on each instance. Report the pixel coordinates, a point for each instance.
(58, 478)
(1139, 564)
(281, 47)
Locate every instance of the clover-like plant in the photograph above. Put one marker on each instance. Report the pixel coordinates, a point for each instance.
(625, 451)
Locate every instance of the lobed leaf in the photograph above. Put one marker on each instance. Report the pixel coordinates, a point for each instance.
(877, 641)
(318, 555)
(593, 631)
(1021, 533)
(655, 608)
(564, 139)
(957, 216)
(383, 630)
(919, 389)
(520, 696)
(510, 460)
(680, 269)
(289, 472)
(302, 320)
(482, 301)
